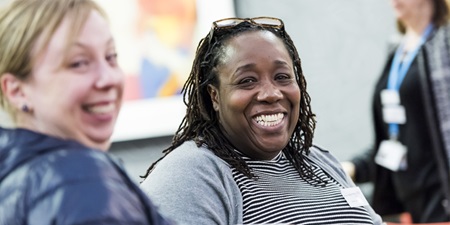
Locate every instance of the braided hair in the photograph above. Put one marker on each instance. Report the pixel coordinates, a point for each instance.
(201, 124)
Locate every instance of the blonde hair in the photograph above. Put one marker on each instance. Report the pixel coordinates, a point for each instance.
(23, 22)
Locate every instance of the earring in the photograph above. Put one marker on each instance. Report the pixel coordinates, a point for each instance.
(215, 107)
(25, 108)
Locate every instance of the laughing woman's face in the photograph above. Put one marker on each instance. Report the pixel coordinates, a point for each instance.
(75, 92)
(258, 98)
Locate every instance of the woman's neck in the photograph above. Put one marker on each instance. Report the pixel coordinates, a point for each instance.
(416, 25)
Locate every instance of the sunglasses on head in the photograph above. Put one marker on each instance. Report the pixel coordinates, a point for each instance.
(267, 22)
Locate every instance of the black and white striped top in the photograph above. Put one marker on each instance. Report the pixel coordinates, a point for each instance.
(281, 196)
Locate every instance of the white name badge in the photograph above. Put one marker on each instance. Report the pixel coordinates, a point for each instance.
(394, 114)
(354, 197)
(392, 155)
(390, 97)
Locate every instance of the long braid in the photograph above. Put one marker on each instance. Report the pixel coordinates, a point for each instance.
(201, 123)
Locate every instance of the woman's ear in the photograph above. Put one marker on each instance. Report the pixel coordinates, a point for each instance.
(214, 94)
(12, 89)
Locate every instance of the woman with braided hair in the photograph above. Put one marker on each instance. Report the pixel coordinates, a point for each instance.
(244, 151)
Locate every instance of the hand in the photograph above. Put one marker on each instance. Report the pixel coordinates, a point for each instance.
(349, 168)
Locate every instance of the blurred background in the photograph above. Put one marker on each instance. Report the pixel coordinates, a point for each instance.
(342, 44)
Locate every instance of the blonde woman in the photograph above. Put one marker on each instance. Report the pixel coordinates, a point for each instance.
(61, 84)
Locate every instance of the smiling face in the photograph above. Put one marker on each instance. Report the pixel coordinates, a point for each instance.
(75, 92)
(258, 98)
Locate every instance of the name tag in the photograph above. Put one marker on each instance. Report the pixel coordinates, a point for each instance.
(392, 155)
(394, 114)
(354, 197)
(390, 97)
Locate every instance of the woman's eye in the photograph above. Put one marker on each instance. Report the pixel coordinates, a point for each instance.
(246, 81)
(112, 58)
(283, 77)
(79, 64)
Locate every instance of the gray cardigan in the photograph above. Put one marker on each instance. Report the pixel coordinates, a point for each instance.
(192, 185)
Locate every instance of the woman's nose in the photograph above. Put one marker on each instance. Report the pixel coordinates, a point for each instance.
(109, 76)
(269, 92)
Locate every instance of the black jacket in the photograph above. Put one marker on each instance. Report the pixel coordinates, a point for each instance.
(45, 180)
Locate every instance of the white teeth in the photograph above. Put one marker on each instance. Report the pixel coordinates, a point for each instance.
(269, 120)
(101, 109)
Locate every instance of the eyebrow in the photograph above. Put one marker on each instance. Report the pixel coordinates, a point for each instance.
(252, 65)
(244, 68)
(79, 44)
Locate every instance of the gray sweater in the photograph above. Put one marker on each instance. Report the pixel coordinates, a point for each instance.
(192, 185)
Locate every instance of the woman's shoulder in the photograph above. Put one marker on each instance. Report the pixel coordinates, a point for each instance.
(323, 155)
(60, 170)
(70, 166)
(185, 183)
(65, 159)
(318, 150)
(44, 163)
(189, 153)
(42, 155)
(69, 179)
(444, 28)
(186, 163)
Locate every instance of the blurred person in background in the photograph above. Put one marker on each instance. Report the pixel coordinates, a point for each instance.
(244, 152)
(61, 84)
(409, 162)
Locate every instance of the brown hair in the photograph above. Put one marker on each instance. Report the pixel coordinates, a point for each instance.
(440, 16)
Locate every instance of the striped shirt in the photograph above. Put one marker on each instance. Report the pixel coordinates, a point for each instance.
(281, 196)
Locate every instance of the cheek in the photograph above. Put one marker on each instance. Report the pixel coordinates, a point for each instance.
(294, 96)
(231, 109)
(294, 93)
(41, 95)
(70, 96)
(235, 103)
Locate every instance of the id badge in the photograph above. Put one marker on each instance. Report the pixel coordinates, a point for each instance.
(390, 97)
(354, 197)
(392, 155)
(394, 114)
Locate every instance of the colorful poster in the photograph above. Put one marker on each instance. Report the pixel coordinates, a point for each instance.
(156, 42)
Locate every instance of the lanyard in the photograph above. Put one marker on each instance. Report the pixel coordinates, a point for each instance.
(399, 69)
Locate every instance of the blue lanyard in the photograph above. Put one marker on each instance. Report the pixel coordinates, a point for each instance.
(398, 70)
